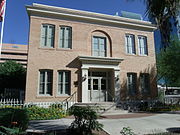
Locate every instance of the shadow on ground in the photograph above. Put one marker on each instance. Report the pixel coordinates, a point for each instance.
(174, 130)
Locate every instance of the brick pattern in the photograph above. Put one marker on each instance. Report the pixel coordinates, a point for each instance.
(65, 59)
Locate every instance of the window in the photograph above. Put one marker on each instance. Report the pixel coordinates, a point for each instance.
(47, 35)
(145, 83)
(64, 82)
(65, 37)
(142, 44)
(45, 82)
(130, 44)
(131, 83)
(99, 46)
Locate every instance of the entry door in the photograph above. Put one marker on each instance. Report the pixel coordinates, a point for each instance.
(97, 90)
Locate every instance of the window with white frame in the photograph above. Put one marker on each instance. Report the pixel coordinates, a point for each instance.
(65, 39)
(131, 83)
(47, 35)
(142, 45)
(45, 82)
(130, 44)
(145, 83)
(63, 82)
(99, 46)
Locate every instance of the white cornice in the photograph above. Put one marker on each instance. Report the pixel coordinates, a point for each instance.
(59, 11)
(100, 59)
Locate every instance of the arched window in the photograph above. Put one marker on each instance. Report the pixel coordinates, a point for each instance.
(99, 46)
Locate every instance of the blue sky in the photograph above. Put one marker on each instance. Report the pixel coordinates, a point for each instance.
(17, 22)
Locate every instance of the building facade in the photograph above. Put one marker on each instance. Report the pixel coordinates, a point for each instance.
(100, 57)
(14, 52)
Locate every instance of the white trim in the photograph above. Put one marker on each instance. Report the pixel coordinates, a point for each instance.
(102, 66)
(89, 15)
(100, 59)
(85, 12)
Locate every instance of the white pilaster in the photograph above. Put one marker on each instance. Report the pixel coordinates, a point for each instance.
(84, 80)
(117, 85)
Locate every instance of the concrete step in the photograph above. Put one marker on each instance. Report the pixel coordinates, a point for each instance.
(104, 108)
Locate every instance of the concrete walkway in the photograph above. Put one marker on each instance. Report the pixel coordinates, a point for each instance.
(141, 123)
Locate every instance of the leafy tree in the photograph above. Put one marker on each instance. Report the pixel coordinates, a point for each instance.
(12, 75)
(168, 63)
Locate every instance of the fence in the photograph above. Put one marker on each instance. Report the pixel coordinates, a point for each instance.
(65, 104)
(172, 99)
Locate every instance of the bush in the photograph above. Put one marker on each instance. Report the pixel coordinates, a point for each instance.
(39, 113)
(127, 131)
(14, 117)
(11, 131)
(163, 108)
(85, 121)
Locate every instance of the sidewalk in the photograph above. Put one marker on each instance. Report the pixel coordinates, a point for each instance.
(141, 123)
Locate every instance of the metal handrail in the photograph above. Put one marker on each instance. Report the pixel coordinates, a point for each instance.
(68, 99)
(110, 95)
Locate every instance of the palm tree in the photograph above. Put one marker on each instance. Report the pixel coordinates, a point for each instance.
(163, 13)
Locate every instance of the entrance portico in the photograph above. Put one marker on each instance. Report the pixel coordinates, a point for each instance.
(100, 79)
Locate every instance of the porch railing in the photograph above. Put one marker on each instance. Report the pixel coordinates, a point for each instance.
(70, 101)
(109, 94)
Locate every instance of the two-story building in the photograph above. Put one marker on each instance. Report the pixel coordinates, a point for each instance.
(100, 57)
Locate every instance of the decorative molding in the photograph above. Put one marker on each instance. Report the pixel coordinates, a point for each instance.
(86, 15)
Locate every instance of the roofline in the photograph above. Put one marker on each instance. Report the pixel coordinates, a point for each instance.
(88, 15)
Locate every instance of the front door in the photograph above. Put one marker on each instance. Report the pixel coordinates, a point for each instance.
(97, 89)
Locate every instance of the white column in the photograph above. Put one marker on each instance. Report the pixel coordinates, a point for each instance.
(84, 81)
(117, 85)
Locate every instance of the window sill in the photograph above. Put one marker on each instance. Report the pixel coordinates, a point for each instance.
(63, 95)
(46, 48)
(142, 55)
(64, 49)
(44, 96)
(131, 54)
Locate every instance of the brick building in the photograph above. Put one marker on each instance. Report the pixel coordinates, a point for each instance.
(100, 57)
(14, 52)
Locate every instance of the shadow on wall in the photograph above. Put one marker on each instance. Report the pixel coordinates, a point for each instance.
(77, 66)
(151, 70)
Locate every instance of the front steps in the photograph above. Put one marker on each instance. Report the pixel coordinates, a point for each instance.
(104, 108)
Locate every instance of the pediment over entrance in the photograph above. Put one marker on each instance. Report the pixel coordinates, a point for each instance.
(99, 62)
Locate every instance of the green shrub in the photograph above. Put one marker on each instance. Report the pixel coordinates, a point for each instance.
(85, 121)
(39, 113)
(11, 131)
(164, 108)
(14, 117)
(127, 131)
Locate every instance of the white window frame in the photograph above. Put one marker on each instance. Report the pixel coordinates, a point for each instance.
(130, 49)
(65, 40)
(142, 45)
(64, 83)
(99, 51)
(46, 36)
(45, 82)
(132, 87)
